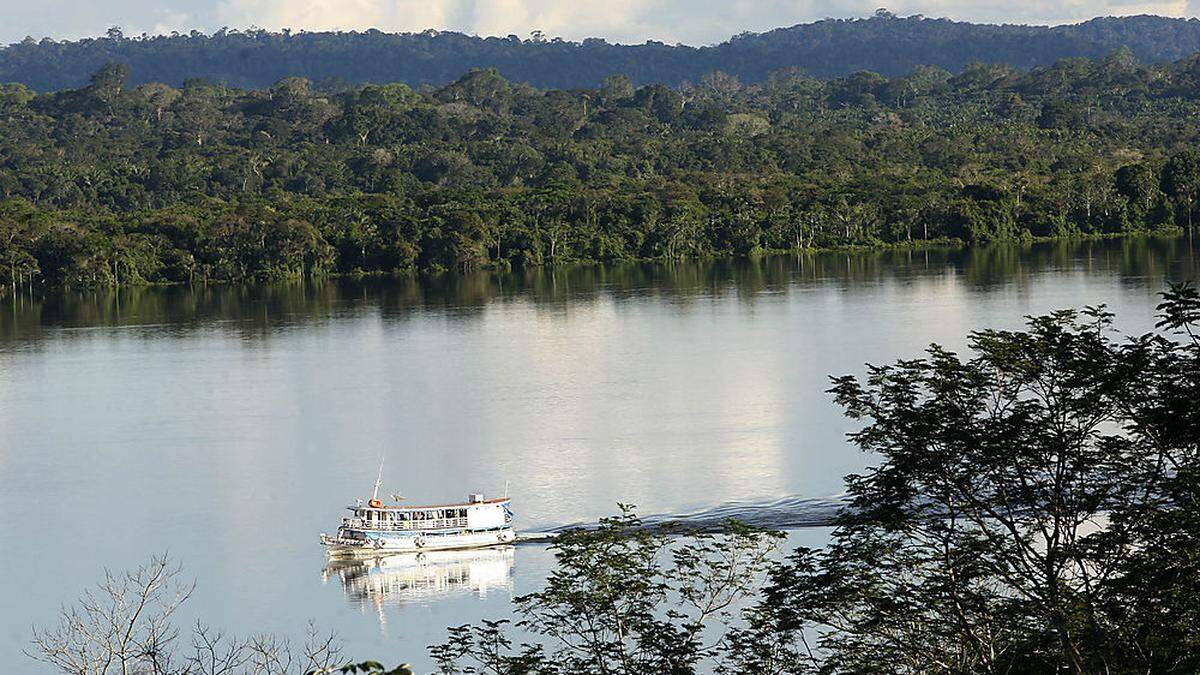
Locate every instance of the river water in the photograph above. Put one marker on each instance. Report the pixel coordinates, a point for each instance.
(229, 426)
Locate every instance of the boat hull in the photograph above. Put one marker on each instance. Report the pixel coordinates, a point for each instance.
(374, 544)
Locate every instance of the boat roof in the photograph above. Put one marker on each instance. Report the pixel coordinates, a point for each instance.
(498, 500)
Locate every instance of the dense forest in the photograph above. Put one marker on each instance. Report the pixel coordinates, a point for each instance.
(885, 43)
(113, 184)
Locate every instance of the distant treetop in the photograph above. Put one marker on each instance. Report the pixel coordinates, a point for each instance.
(884, 43)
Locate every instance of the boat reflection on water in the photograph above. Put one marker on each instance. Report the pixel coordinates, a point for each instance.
(423, 577)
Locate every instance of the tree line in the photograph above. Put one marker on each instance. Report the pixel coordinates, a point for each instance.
(113, 184)
(884, 43)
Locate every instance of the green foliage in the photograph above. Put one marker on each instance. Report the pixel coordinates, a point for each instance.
(14, 96)
(113, 185)
(1034, 507)
(884, 43)
(622, 599)
(1181, 180)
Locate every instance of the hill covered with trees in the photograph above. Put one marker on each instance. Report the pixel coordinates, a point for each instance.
(884, 43)
(116, 184)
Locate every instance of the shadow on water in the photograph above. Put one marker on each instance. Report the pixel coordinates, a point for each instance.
(252, 312)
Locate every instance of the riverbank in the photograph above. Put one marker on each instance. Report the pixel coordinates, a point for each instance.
(29, 290)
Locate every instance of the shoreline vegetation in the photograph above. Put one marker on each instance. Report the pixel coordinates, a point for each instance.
(1032, 508)
(945, 245)
(981, 262)
(115, 185)
(1166, 233)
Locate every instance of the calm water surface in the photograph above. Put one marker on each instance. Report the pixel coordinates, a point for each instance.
(229, 426)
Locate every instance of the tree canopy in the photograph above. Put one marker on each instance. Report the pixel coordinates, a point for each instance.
(115, 184)
(884, 43)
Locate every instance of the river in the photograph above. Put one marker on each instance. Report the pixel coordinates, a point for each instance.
(228, 426)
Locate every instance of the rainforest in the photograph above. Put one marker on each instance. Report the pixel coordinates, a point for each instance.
(113, 184)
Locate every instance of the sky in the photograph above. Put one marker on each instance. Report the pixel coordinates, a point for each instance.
(693, 22)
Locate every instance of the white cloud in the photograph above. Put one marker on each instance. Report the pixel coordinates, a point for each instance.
(168, 22)
(1038, 11)
(689, 21)
(671, 21)
(620, 19)
(310, 14)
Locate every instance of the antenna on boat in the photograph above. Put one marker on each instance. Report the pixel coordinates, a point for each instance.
(506, 489)
(378, 482)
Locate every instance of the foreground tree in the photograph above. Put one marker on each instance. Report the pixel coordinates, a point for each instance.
(126, 626)
(1033, 510)
(1155, 599)
(623, 598)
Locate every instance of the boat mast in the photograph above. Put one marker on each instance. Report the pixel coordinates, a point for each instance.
(378, 482)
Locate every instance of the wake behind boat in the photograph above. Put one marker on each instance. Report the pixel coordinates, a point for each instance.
(376, 529)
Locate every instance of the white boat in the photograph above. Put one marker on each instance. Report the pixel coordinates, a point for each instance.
(376, 529)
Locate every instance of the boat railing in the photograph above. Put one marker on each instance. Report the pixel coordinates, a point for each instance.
(404, 525)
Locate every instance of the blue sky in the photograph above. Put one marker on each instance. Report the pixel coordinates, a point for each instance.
(688, 21)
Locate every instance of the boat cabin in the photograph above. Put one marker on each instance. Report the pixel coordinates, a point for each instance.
(475, 514)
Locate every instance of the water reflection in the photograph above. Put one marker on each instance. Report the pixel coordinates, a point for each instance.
(375, 583)
(253, 312)
(671, 387)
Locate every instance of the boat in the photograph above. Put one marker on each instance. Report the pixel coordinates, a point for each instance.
(375, 529)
